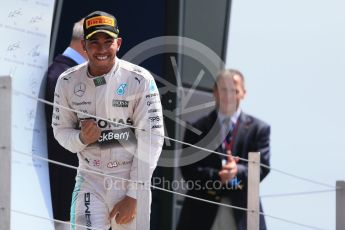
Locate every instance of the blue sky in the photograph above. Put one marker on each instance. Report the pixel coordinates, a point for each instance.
(292, 54)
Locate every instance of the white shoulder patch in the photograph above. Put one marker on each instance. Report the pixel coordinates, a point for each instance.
(68, 74)
(138, 70)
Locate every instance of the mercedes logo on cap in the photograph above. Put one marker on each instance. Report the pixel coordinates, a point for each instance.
(79, 89)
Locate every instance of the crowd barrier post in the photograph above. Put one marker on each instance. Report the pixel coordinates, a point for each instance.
(340, 205)
(5, 152)
(253, 214)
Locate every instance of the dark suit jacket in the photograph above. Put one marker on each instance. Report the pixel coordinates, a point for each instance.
(252, 136)
(62, 179)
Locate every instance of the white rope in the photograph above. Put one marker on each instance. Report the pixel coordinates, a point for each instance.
(200, 199)
(298, 193)
(292, 222)
(299, 177)
(73, 167)
(118, 178)
(172, 139)
(239, 208)
(172, 192)
(181, 142)
(98, 173)
(72, 110)
(117, 123)
(54, 220)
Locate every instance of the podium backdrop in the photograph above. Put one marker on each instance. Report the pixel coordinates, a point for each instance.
(25, 27)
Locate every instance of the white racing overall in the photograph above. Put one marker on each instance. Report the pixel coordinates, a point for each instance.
(126, 95)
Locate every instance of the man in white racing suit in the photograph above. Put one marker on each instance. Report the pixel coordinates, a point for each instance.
(116, 90)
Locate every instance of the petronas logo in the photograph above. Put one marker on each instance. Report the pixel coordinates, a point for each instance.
(152, 86)
(121, 89)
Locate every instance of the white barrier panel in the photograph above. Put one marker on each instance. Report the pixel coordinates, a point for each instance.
(5, 152)
(25, 27)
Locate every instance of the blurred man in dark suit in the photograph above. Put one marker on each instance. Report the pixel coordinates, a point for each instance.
(62, 179)
(235, 133)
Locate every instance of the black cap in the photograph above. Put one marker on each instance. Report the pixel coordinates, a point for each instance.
(100, 21)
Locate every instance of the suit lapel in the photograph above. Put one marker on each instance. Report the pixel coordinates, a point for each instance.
(212, 118)
(243, 126)
(214, 124)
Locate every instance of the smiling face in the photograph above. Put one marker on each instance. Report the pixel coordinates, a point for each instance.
(101, 50)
